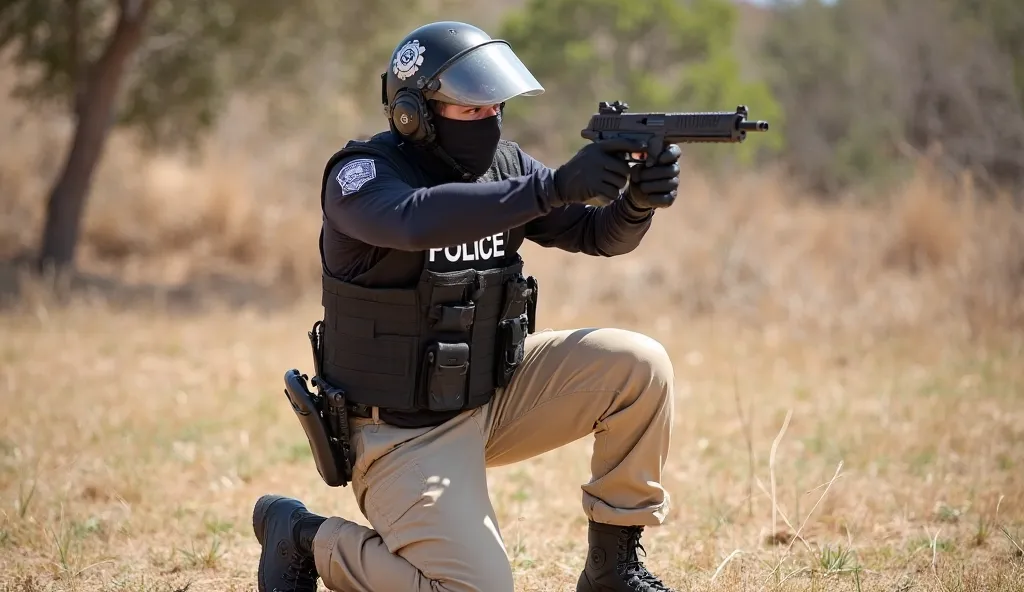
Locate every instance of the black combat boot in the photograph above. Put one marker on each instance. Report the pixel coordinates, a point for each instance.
(285, 530)
(613, 564)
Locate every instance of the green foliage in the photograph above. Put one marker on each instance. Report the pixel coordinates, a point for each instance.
(659, 55)
(837, 132)
(47, 38)
(197, 53)
(866, 83)
(1001, 21)
(167, 69)
(187, 66)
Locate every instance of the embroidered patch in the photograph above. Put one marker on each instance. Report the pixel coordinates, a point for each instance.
(408, 59)
(355, 174)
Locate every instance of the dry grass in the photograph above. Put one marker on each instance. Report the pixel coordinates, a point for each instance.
(850, 385)
(134, 456)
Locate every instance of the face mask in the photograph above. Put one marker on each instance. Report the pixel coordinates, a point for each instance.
(471, 143)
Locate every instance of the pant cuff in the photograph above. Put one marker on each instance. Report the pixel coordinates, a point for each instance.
(325, 543)
(650, 515)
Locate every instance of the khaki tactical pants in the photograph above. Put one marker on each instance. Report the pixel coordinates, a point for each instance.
(424, 490)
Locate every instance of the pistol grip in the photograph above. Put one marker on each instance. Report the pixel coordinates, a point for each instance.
(655, 145)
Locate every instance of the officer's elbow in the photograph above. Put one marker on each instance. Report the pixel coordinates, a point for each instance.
(613, 252)
(618, 248)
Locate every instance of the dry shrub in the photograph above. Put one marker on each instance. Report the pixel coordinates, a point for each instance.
(973, 248)
(927, 230)
(930, 254)
(752, 249)
(178, 222)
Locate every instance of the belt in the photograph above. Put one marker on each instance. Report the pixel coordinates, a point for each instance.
(360, 410)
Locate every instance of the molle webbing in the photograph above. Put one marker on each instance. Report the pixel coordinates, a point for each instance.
(378, 360)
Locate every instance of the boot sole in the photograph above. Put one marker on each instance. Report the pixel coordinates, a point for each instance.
(259, 515)
(259, 521)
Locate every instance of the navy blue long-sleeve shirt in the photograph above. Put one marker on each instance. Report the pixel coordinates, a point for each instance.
(380, 212)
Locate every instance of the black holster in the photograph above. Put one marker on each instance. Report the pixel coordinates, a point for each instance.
(324, 418)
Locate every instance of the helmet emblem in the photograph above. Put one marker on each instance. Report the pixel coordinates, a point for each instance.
(408, 59)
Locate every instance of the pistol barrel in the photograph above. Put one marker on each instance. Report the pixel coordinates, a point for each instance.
(754, 126)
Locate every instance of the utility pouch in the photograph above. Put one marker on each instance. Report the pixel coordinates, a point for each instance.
(452, 318)
(446, 373)
(511, 348)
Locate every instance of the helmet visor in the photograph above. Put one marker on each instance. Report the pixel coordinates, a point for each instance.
(487, 75)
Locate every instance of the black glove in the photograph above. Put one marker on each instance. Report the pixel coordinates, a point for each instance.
(655, 186)
(599, 169)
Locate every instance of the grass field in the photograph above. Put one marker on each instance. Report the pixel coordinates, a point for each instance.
(850, 384)
(135, 442)
(851, 412)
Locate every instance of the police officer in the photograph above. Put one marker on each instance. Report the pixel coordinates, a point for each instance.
(429, 330)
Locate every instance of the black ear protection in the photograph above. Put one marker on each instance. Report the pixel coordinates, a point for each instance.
(411, 116)
(409, 113)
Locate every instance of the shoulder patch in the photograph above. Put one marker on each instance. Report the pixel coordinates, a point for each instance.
(355, 174)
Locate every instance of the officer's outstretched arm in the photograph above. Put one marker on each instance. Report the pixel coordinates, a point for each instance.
(615, 229)
(371, 203)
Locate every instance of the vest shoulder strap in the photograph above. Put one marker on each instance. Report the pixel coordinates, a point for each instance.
(506, 163)
(507, 160)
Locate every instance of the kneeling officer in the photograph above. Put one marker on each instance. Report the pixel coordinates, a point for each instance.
(429, 339)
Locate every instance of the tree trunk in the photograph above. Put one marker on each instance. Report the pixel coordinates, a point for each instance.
(94, 117)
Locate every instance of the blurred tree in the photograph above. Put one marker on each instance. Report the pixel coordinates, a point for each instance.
(166, 69)
(1003, 22)
(865, 81)
(667, 55)
(998, 26)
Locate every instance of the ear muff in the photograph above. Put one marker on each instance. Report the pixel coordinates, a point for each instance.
(411, 116)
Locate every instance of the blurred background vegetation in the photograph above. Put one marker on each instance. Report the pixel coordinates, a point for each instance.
(860, 266)
(159, 140)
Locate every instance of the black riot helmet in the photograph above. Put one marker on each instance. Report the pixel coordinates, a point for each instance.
(451, 62)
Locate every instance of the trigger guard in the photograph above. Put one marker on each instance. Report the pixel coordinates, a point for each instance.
(630, 159)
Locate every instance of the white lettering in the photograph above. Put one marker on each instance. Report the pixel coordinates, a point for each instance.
(488, 247)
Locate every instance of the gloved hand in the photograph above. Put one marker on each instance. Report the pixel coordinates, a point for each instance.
(655, 186)
(599, 169)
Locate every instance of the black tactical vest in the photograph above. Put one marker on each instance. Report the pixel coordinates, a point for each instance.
(445, 328)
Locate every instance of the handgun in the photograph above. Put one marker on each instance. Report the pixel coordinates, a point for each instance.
(657, 130)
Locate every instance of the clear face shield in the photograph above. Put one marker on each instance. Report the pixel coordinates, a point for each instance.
(488, 75)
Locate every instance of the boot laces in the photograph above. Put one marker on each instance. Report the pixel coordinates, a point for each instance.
(301, 572)
(631, 568)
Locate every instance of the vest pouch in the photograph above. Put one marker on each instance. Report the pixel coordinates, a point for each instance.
(446, 375)
(452, 318)
(511, 348)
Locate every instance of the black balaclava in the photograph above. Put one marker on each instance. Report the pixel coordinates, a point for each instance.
(471, 143)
